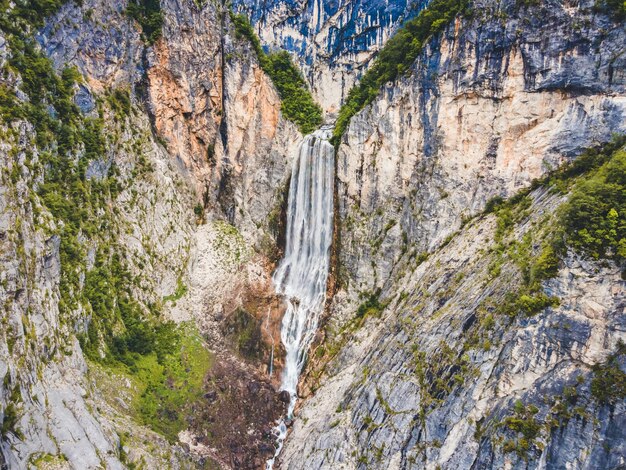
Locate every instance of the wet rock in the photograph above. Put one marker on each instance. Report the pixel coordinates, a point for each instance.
(284, 396)
(265, 448)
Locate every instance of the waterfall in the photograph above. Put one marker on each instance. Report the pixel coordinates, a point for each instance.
(302, 274)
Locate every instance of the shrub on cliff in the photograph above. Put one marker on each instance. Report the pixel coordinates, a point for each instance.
(594, 219)
(608, 385)
(149, 16)
(397, 56)
(297, 104)
(15, 16)
(615, 8)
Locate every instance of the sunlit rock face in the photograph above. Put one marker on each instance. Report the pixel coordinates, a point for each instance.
(495, 102)
(333, 41)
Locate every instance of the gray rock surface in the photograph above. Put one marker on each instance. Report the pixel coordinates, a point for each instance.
(427, 384)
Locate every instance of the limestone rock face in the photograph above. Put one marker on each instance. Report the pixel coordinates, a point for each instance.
(333, 42)
(58, 410)
(203, 158)
(423, 385)
(218, 112)
(495, 102)
(488, 107)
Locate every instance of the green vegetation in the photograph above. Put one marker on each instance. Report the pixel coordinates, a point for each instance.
(297, 105)
(528, 303)
(243, 29)
(50, 107)
(397, 56)
(119, 102)
(174, 382)
(615, 8)
(594, 218)
(529, 299)
(528, 424)
(592, 222)
(167, 363)
(9, 421)
(564, 178)
(78, 202)
(371, 307)
(438, 374)
(163, 389)
(17, 17)
(523, 423)
(181, 289)
(121, 333)
(67, 143)
(149, 16)
(608, 385)
(48, 461)
(119, 330)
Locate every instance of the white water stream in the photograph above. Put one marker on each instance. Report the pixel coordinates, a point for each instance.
(302, 273)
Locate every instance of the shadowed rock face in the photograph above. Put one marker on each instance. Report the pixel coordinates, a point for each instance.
(333, 41)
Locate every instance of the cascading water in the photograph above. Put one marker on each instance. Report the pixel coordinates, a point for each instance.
(303, 272)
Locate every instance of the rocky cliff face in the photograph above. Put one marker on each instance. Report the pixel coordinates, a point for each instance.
(432, 381)
(501, 98)
(201, 155)
(495, 103)
(333, 41)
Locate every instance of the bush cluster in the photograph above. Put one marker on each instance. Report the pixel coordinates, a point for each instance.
(297, 104)
(594, 218)
(397, 56)
(149, 16)
(18, 16)
(608, 385)
(523, 423)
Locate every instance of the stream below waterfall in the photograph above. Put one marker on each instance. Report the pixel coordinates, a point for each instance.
(301, 276)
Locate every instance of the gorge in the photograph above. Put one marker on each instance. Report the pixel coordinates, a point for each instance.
(390, 234)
